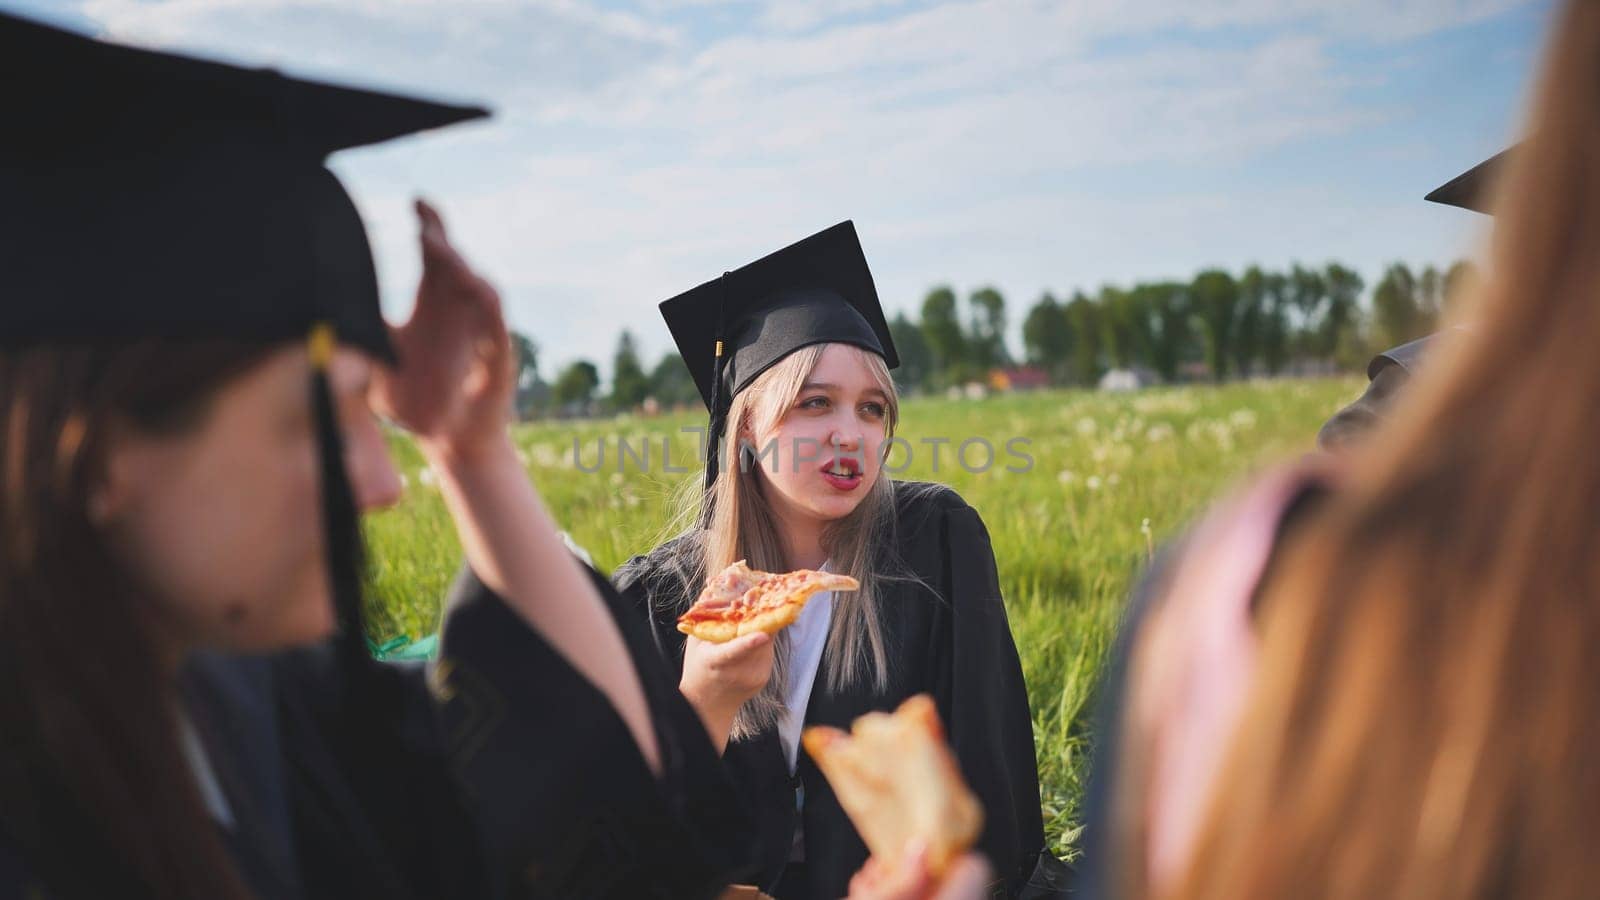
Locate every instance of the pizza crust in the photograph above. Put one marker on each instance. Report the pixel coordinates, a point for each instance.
(897, 780)
(740, 600)
(715, 632)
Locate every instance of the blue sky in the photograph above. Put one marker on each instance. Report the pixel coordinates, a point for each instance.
(641, 147)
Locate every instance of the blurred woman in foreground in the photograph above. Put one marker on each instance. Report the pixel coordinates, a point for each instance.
(192, 362)
(1399, 700)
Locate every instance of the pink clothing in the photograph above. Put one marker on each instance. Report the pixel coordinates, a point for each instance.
(1196, 671)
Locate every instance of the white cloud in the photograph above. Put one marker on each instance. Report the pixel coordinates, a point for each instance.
(793, 15)
(973, 141)
(510, 49)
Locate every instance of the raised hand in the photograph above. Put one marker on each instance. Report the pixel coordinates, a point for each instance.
(456, 376)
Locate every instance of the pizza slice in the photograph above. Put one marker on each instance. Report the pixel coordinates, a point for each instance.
(740, 600)
(897, 780)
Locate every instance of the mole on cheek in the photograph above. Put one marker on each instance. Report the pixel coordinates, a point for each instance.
(235, 615)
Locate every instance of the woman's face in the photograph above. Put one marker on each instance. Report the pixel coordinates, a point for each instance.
(828, 444)
(223, 521)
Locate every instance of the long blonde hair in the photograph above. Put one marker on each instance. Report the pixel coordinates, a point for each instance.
(1424, 720)
(742, 526)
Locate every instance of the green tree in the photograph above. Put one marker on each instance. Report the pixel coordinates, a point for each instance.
(1216, 304)
(1083, 315)
(1047, 338)
(1164, 321)
(530, 391)
(671, 383)
(987, 344)
(916, 357)
(1306, 292)
(1121, 333)
(1275, 329)
(1354, 350)
(527, 358)
(576, 384)
(629, 384)
(1252, 315)
(941, 325)
(1343, 291)
(1394, 306)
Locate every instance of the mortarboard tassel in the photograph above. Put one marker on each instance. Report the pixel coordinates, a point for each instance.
(719, 405)
(719, 424)
(341, 521)
(396, 780)
(719, 413)
(719, 417)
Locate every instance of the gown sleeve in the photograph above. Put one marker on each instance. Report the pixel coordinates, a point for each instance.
(984, 702)
(561, 794)
(16, 881)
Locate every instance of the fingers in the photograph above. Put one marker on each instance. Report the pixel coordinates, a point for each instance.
(443, 264)
(864, 881)
(907, 878)
(431, 233)
(966, 879)
(438, 255)
(739, 649)
(912, 874)
(431, 221)
(730, 653)
(903, 878)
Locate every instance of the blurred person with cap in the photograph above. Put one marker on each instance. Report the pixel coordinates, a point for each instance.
(792, 356)
(191, 360)
(1373, 676)
(1388, 374)
(1389, 371)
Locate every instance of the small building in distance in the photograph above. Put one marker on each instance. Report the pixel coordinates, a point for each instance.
(1018, 378)
(1127, 379)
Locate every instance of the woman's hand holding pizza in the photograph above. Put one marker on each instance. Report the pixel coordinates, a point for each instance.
(727, 654)
(719, 678)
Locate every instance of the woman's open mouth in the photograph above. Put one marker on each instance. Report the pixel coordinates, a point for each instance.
(843, 473)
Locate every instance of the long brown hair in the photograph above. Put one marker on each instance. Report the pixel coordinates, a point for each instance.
(95, 792)
(1424, 722)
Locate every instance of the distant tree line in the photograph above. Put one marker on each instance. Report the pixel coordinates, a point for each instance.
(1220, 325)
(576, 389)
(1217, 325)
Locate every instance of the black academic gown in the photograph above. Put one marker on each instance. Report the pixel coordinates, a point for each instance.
(949, 638)
(1387, 373)
(498, 772)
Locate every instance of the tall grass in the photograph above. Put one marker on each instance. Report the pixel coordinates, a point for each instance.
(1111, 475)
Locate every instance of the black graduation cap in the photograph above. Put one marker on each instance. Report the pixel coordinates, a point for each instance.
(149, 195)
(1472, 189)
(153, 195)
(731, 329)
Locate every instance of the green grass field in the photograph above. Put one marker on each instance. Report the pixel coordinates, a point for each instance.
(1112, 476)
